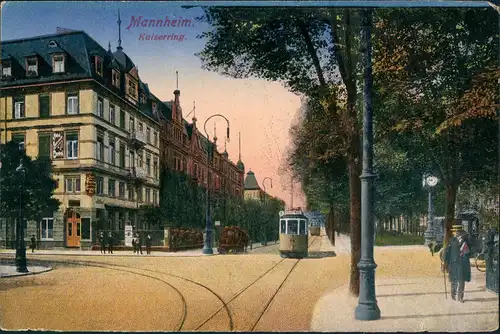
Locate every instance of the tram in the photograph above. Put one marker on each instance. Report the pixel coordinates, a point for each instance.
(293, 234)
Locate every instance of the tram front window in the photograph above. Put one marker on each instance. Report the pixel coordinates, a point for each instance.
(302, 227)
(293, 227)
(283, 227)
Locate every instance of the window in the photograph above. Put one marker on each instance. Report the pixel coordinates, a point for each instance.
(44, 106)
(122, 119)
(148, 195)
(302, 227)
(148, 165)
(44, 145)
(72, 146)
(112, 116)
(132, 88)
(58, 63)
(98, 65)
(121, 189)
(130, 190)
(122, 156)
(100, 148)
(148, 135)
(100, 107)
(72, 184)
(155, 139)
(154, 108)
(86, 228)
(6, 69)
(47, 229)
(283, 226)
(143, 98)
(139, 194)
(155, 197)
(19, 108)
(131, 124)
(72, 104)
(111, 188)
(131, 158)
(32, 66)
(140, 127)
(99, 185)
(116, 78)
(293, 227)
(19, 139)
(112, 151)
(139, 159)
(155, 169)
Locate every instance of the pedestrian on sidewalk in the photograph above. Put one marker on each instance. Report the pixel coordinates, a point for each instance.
(148, 244)
(457, 263)
(139, 244)
(33, 243)
(102, 242)
(110, 242)
(134, 243)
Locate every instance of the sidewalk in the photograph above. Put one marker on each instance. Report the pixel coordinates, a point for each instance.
(414, 305)
(343, 245)
(9, 271)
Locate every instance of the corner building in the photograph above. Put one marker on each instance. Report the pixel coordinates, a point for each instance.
(66, 97)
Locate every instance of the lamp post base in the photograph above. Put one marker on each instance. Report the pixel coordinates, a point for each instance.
(21, 263)
(207, 247)
(368, 311)
(207, 251)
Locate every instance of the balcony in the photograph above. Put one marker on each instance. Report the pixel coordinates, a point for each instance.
(137, 139)
(138, 174)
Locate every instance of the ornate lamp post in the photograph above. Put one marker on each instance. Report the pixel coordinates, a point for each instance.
(367, 308)
(430, 182)
(207, 244)
(265, 203)
(20, 247)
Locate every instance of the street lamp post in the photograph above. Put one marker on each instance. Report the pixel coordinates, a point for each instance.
(20, 246)
(265, 203)
(430, 235)
(367, 308)
(207, 245)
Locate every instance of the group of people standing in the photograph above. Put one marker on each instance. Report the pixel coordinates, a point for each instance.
(137, 244)
(107, 243)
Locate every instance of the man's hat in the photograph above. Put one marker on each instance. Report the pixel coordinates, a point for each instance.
(456, 228)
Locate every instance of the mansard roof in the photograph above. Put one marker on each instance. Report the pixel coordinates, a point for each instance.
(251, 182)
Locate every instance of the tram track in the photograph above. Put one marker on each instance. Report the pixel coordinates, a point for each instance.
(109, 266)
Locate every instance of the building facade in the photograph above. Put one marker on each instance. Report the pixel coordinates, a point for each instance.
(66, 97)
(184, 149)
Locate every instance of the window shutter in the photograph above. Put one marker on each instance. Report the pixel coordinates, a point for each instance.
(44, 106)
(44, 146)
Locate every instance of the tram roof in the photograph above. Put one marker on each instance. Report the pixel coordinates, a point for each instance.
(293, 215)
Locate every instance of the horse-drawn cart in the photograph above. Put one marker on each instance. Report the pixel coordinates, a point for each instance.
(233, 239)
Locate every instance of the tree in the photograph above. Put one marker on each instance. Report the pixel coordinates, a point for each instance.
(37, 189)
(427, 79)
(313, 52)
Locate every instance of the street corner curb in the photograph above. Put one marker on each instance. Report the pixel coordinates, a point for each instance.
(34, 270)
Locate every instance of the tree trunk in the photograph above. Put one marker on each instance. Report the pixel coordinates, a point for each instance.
(355, 217)
(451, 196)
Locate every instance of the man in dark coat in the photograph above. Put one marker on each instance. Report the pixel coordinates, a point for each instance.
(102, 242)
(110, 243)
(33, 243)
(148, 244)
(456, 260)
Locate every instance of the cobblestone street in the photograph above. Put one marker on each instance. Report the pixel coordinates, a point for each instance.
(254, 291)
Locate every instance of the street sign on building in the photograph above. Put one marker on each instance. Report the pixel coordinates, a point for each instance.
(217, 223)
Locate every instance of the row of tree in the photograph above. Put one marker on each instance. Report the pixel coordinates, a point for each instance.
(435, 73)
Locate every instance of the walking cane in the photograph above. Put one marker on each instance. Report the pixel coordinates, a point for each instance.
(444, 277)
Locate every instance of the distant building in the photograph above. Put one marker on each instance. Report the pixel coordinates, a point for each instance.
(252, 188)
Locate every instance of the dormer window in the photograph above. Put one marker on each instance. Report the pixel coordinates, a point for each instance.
(132, 89)
(32, 66)
(6, 69)
(98, 65)
(153, 107)
(58, 63)
(143, 98)
(116, 78)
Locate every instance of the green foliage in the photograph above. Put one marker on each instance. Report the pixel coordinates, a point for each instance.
(398, 240)
(37, 188)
